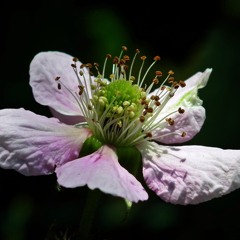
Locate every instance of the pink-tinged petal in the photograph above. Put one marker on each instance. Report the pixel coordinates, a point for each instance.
(44, 69)
(101, 170)
(190, 174)
(191, 121)
(32, 144)
(71, 120)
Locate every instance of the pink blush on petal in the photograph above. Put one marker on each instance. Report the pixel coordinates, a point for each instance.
(101, 170)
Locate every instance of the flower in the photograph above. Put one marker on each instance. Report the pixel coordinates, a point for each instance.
(103, 129)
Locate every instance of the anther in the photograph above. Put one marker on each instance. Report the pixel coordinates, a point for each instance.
(142, 119)
(149, 134)
(122, 62)
(156, 98)
(143, 58)
(184, 134)
(156, 58)
(124, 48)
(57, 78)
(170, 72)
(170, 80)
(75, 59)
(59, 86)
(182, 83)
(115, 60)
(89, 65)
(149, 110)
(80, 89)
(73, 65)
(152, 97)
(158, 73)
(170, 121)
(126, 58)
(175, 85)
(180, 110)
(144, 102)
(155, 81)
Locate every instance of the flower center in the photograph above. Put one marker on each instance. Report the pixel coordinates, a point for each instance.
(121, 112)
(118, 107)
(121, 99)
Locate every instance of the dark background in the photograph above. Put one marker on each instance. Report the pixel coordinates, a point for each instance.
(189, 37)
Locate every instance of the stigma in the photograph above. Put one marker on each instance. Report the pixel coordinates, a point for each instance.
(119, 108)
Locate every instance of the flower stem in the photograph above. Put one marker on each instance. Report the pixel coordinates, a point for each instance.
(92, 201)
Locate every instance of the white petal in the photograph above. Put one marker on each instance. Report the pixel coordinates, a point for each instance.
(192, 120)
(190, 174)
(44, 68)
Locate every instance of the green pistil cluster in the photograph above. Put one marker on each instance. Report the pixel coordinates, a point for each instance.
(117, 107)
(119, 98)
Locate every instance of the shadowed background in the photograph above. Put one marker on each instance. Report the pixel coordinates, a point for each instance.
(189, 38)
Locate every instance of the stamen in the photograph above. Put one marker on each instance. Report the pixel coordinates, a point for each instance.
(81, 88)
(149, 135)
(75, 59)
(120, 112)
(143, 58)
(170, 121)
(134, 57)
(180, 110)
(184, 134)
(182, 83)
(157, 58)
